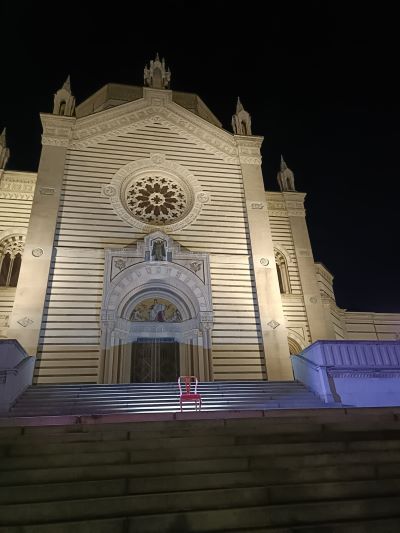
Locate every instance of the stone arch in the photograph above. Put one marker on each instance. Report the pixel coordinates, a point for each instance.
(137, 277)
(12, 242)
(296, 343)
(155, 279)
(8, 232)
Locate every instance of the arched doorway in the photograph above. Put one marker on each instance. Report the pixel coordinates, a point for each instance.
(156, 315)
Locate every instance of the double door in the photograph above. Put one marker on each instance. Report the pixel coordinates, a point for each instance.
(155, 360)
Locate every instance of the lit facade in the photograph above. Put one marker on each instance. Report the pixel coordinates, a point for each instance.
(151, 249)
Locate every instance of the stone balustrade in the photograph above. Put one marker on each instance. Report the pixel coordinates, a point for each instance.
(357, 373)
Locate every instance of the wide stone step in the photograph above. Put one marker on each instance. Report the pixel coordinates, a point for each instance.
(132, 504)
(267, 516)
(181, 445)
(101, 442)
(119, 469)
(125, 525)
(257, 455)
(276, 474)
(283, 493)
(140, 401)
(212, 398)
(83, 409)
(95, 466)
(223, 519)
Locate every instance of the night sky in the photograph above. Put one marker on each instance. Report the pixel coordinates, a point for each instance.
(319, 79)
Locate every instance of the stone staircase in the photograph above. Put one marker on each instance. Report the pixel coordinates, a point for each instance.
(161, 397)
(286, 471)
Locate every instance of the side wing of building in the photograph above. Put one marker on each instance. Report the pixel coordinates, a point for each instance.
(16, 195)
(340, 323)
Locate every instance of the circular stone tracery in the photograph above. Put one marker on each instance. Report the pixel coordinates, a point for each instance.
(156, 199)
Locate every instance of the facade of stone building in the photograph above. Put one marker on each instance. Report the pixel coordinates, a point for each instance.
(150, 248)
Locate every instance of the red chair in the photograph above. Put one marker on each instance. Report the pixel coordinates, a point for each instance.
(188, 394)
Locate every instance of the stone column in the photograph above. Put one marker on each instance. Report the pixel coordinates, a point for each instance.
(319, 328)
(26, 318)
(273, 322)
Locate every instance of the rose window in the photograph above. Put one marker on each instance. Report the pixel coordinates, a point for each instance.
(156, 199)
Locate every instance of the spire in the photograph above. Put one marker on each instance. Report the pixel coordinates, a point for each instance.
(241, 120)
(64, 101)
(157, 76)
(4, 151)
(285, 177)
(239, 106)
(67, 84)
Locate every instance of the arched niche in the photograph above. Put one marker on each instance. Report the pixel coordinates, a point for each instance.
(182, 281)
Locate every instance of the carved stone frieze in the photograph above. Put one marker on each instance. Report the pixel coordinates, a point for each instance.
(57, 130)
(249, 149)
(14, 186)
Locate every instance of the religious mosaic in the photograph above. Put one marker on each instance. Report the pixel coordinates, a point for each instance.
(156, 200)
(156, 310)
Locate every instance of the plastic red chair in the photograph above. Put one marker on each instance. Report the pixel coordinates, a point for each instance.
(189, 393)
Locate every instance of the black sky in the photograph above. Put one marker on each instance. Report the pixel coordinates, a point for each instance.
(319, 79)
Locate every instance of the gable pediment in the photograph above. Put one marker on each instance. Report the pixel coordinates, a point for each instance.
(154, 107)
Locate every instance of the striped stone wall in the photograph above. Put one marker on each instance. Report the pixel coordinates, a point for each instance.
(293, 303)
(69, 342)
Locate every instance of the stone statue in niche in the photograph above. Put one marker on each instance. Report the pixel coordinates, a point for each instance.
(158, 251)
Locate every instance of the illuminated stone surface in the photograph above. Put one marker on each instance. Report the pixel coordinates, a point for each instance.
(93, 195)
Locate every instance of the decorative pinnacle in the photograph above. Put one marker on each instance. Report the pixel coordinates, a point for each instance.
(67, 84)
(283, 164)
(3, 137)
(157, 75)
(239, 106)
